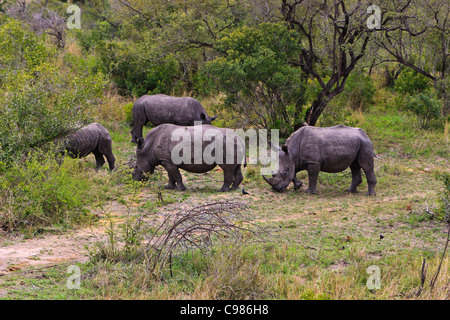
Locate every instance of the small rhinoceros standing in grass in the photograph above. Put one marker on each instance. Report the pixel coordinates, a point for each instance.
(160, 108)
(332, 149)
(91, 138)
(196, 149)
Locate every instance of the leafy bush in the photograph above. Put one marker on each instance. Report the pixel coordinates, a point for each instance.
(39, 100)
(425, 107)
(88, 39)
(254, 72)
(359, 91)
(411, 82)
(42, 192)
(136, 69)
(128, 109)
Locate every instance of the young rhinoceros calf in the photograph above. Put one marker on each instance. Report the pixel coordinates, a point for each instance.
(197, 149)
(160, 108)
(332, 149)
(91, 138)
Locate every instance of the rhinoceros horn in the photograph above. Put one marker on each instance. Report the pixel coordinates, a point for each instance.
(269, 180)
(213, 118)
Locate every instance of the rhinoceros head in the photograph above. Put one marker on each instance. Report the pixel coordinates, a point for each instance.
(206, 119)
(286, 171)
(142, 163)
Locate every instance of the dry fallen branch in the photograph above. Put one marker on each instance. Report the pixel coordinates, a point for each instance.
(423, 275)
(196, 229)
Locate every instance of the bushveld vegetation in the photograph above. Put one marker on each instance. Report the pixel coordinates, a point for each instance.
(271, 64)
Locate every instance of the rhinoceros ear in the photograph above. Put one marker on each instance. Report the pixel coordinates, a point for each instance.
(140, 143)
(284, 148)
(202, 117)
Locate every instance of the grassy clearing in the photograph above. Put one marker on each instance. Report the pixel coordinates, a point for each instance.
(314, 246)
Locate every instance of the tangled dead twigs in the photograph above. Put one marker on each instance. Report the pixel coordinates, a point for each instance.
(196, 229)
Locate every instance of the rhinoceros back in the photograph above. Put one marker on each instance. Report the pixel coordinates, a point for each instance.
(163, 139)
(160, 109)
(334, 148)
(86, 139)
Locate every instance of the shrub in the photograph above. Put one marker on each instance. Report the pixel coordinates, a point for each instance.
(41, 192)
(134, 70)
(88, 39)
(359, 91)
(411, 82)
(39, 99)
(425, 107)
(128, 109)
(254, 72)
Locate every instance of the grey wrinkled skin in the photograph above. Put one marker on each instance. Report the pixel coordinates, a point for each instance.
(156, 149)
(93, 138)
(160, 108)
(332, 149)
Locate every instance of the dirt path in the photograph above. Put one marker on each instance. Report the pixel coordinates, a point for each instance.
(18, 253)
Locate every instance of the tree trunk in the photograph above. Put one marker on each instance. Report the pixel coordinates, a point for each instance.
(441, 89)
(314, 112)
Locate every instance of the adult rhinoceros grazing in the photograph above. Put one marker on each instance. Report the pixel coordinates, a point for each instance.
(160, 108)
(196, 149)
(91, 138)
(332, 149)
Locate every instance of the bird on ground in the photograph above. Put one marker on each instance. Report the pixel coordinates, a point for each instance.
(245, 192)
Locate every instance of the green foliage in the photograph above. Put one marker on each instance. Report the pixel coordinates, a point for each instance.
(359, 91)
(39, 99)
(254, 71)
(101, 31)
(41, 192)
(131, 234)
(128, 109)
(411, 82)
(135, 68)
(313, 89)
(425, 107)
(357, 97)
(22, 53)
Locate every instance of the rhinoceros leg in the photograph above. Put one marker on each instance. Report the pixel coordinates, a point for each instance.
(366, 162)
(371, 181)
(139, 121)
(98, 159)
(172, 184)
(111, 160)
(356, 176)
(297, 183)
(174, 175)
(313, 172)
(238, 177)
(105, 148)
(228, 178)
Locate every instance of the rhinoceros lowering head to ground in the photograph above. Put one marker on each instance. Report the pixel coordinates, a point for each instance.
(159, 109)
(332, 149)
(91, 138)
(196, 149)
